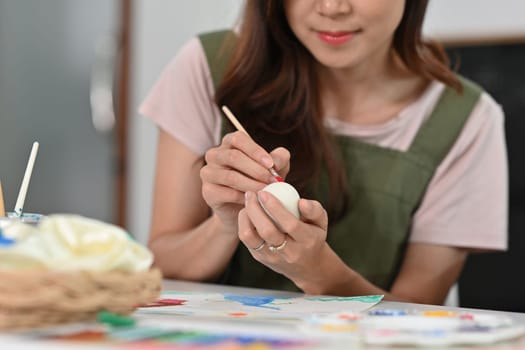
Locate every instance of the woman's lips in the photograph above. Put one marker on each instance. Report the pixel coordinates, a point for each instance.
(336, 38)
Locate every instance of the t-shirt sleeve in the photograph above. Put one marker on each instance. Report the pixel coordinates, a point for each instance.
(467, 199)
(181, 101)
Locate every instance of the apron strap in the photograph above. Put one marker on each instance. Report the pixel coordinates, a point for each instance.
(445, 123)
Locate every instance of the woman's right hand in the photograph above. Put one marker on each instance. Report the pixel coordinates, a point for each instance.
(238, 165)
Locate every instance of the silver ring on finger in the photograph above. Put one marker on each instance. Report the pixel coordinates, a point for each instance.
(260, 247)
(279, 247)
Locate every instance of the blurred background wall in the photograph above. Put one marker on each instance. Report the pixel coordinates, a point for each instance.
(160, 28)
(49, 52)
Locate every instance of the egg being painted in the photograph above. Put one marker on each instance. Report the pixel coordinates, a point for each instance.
(286, 194)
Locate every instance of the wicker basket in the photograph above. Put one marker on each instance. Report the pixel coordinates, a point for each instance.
(34, 299)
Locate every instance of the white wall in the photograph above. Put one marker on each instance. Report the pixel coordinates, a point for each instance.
(464, 20)
(162, 26)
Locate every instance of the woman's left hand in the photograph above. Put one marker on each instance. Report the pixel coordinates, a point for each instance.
(292, 246)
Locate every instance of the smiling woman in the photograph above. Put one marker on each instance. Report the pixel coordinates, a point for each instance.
(387, 147)
(365, 27)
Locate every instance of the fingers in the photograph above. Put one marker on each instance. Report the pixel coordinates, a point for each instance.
(236, 166)
(216, 194)
(313, 212)
(242, 142)
(239, 157)
(281, 159)
(230, 178)
(247, 233)
(292, 247)
(262, 223)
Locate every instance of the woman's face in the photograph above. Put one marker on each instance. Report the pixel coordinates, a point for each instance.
(345, 33)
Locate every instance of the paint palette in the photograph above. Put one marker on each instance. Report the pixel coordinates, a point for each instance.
(419, 328)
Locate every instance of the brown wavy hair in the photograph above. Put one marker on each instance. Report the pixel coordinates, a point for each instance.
(271, 86)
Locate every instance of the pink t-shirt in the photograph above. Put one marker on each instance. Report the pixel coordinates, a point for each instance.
(466, 201)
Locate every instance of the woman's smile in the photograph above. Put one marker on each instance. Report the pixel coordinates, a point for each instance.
(336, 38)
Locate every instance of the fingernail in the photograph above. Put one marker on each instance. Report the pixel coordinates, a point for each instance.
(306, 205)
(267, 161)
(247, 196)
(262, 196)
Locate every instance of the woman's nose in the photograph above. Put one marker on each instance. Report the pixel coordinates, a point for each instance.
(333, 7)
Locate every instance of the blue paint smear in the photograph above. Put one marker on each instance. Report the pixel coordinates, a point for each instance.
(252, 300)
(4, 241)
(386, 312)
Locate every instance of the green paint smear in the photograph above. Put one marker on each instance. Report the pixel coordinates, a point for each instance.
(362, 298)
(114, 319)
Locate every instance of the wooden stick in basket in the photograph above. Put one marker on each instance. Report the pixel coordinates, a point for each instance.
(2, 206)
(19, 206)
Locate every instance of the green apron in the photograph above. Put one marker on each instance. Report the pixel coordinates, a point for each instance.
(386, 188)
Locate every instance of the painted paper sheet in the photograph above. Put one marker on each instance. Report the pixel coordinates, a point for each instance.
(245, 306)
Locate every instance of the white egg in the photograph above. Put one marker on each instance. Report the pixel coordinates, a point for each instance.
(286, 194)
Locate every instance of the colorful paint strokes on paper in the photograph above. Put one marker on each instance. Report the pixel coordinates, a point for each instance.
(229, 305)
(197, 340)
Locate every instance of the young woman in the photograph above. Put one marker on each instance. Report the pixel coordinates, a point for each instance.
(400, 163)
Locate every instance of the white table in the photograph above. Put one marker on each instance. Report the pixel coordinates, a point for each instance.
(207, 287)
(8, 341)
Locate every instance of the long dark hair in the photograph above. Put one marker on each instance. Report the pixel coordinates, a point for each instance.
(271, 86)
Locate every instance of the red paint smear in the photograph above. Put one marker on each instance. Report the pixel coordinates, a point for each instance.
(238, 314)
(467, 317)
(166, 302)
(279, 179)
(349, 317)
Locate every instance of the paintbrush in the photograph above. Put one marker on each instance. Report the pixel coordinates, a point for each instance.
(19, 206)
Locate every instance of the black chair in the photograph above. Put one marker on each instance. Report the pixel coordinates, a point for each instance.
(494, 280)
